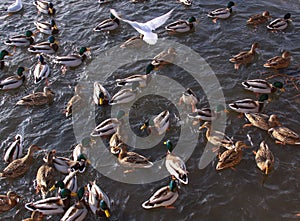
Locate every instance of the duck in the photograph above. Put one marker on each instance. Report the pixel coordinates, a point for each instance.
(146, 28)
(262, 121)
(41, 70)
(163, 197)
(264, 158)
(69, 182)
(45, 7)
(245, 57)
(114, 143)
(81, 147)
(98, 200)
(259, 18)
(262, 86)
(231, 157)
(186, 2)
(248, 105)
(109, 126)
(165, 57)
(14, 150)
(216, 137)
(8, 201)
(76, 212)
(48, 28)
(45, 175)
(280, 24)
(125, 95)
(35, 216)
(74, 100)
(108, 25)
(189, 98)
(206, 114)
(284, 135)
(132, 159)
(20, 166)
(279, 62)
(52, 205)
(37, 98)
(159, 124)
(15, 7)
(221, 13)
(21, 40)
(175, 165)
(13, 82)
(101, 96)
(47, 47)
(3, 53)
(133, 42)
(181, 26)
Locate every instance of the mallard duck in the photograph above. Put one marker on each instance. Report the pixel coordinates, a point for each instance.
(186, 2)
(48, 28)
(133, 42)
(248, 105)
(46, 47)
(280, 23)
(38, 98)
(262, 86)
(114, 142)
(98, 200)
(101, 95)
(77, 212)
(284, 135)
(221, 13)
(44, 7)
(75, 99)
(3, 53)
(159, 124)
(108, 126)
(189, 98)
(164, 57)
(264, 158)
(165, 196)
(61, 164)
(207, 114)
(8, 201)
(35, 216)
(80, 148)
(41, 70)
(69, 182)
(108, 24)
(262, 121)
(132, 159)
(125, 95)
(216, 137)
(52, 205)
(279, 62)
(15, 7)
(258, 18)
(244, 57)
(14, 82)
(20, 166)
(45, 175)
(181, 26)
(146, 28)
(21, 40)
(15, 149)
(175, 165)
(230, 158)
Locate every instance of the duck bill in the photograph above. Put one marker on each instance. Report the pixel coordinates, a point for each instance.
(88, 161)
(101, 101)
(50, 10)
(55, 27)
(73, 194)
(52, 188)
(267, 170)
(143, 127)
(282, 90)
(107, 213)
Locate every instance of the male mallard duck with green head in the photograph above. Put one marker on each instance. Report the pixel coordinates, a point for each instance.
(48, 28)
(41, 70)
(101, 96)
(45, 7)
(21, 40)
(181, 26)
(248, 105)
(221, 13)
(262, 86)
(14, 150)
(264, 158)
(3, 53)
(159, 124)
(125, 95)
(206, 114)
(108, 24)
(69, 182)
(46, 47)
(280, 24)
(13, 82)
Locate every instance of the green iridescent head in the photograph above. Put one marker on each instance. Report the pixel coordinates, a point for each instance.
(230, 4)
(81, 192)
(20, 71)
(82, 50)
(112, 16)
(3, 53)
(173, 185)
(59, 184)
(192, 19)
(278, 84)
(150, 68)
(81, 157)
(51, 39)
(65, 193)
(169, 145)
(28, 33)
(263, 98)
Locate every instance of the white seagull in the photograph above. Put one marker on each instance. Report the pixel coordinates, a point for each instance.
(146, 28)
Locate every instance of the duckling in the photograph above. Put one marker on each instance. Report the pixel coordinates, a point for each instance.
(38, 98)
(20, 166)
(262, 86)
(45, 7)
(15, 149)
(175, 165)
(206, 114)
(14, 82)
(74, 100)
(279, 62)
(125, 95)
(284, 135)
(35, 216)
(259, 18)
(47, 47)
(101, 95)
(264, 158)
(262, 121)
(164, 196)
(280, 24)
(108, 24)
(8, 201)
(48, 28)
(159, 124)
(189, 98)
(3, 53)
(248, 105)
(21, 40)
(133, 42)
(15, 7)
(41, 70)
(221, 13)
(164, 57)
(230, 158)
(245, 57)
(181, 26)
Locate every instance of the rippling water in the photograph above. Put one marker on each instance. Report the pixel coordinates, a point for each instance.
(244, 194)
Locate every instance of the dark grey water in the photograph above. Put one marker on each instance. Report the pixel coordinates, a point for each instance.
(243, 194)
